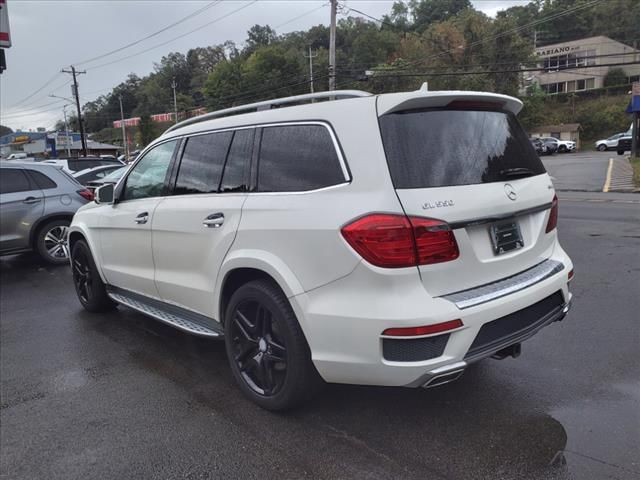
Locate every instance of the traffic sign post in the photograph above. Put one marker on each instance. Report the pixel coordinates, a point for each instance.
(5, 34)
(635, 111)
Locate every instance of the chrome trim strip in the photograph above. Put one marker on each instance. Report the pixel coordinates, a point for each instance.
(497, 218)
(506, 286)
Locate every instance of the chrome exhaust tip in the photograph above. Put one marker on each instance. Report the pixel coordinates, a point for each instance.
(446, 374)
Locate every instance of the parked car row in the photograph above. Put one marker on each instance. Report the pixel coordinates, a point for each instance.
(551, 145)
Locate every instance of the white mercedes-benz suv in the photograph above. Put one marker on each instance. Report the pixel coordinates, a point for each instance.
(366, 239)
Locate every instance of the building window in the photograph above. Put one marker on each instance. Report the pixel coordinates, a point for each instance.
(591, 57)
(581, 84)
(591, 83)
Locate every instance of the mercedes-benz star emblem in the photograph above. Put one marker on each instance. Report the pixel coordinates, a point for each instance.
(510, 191)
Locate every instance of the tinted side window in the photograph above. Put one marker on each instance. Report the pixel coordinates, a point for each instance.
(297, 158)
(147, 178)
(13, 180)
(202, 163)
(42, 180)
(235, 170)
(77, 165)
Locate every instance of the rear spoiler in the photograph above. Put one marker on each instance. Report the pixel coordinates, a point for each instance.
(396, 102)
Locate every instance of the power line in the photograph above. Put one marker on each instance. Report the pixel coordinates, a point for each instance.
(46, 84)
(174, 38)
(300, 16)
(157, 32)
(485, 72)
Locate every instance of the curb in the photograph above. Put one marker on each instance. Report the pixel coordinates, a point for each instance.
(619, 176)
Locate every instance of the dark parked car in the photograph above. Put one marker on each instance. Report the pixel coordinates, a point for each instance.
(37, 203)
(624, 145)
(541, 148)
(550, 144)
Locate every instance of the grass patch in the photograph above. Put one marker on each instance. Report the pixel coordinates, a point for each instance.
(635, 163)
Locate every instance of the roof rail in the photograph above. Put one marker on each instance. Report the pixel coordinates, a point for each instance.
(268, 104)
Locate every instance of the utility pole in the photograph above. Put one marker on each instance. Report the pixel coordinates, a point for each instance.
(311, 57)
(175, 103)
(66, 129)
(332, 46)
(125, 146)
(77, 96)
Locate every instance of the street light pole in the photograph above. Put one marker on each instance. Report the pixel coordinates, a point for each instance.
(125, 145)
(66, 129)
(311, 57)
(332, 46)
(175, 103)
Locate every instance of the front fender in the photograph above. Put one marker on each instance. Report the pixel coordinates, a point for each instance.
(78, 226)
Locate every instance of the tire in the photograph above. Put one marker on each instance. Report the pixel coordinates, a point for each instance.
(51, 242)
(90, 288)
(620, 152)
(267, 351)
(602, 147)
(562, 149)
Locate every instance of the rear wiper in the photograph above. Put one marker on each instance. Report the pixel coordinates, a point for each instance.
(517, 172)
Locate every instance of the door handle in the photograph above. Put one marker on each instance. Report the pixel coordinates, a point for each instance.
(215, 220)
(142, 218)
(31, 200)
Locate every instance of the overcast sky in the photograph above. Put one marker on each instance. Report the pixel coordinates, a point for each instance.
(48, 35)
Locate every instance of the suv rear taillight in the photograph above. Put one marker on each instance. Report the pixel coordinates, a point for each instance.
(397, 241)
(553, 215)
(86, 194)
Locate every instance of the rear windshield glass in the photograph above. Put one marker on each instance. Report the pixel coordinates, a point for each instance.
(438, 148)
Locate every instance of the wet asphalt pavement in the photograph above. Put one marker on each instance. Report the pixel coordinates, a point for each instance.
(121, 396)
(579, 171)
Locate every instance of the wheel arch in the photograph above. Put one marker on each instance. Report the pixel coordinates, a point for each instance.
(35, 229)
(75, 234)
(240, 269)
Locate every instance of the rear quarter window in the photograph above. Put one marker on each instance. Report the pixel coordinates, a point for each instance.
(296, 158)
(42, 180)
(440, 147)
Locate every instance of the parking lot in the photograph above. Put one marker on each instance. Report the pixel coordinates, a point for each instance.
(580, 171)
(121, 396)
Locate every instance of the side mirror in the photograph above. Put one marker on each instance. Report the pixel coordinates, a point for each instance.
(104, 194)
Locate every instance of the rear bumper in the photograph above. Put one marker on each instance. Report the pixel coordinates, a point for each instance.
(343, 323)
(448, 373)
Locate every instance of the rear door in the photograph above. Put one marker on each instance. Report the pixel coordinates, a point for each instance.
(473, 167)
(194, 228)
(21, 205)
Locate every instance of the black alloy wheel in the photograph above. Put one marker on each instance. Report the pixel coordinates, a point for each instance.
(260, 352)
(82, 277)
(90, 288)
(267, 350)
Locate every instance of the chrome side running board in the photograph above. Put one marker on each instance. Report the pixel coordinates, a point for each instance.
(170, 314)
(506, 286)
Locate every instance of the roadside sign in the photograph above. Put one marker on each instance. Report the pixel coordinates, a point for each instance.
(5, 35)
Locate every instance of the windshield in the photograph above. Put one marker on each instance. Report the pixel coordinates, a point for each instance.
(439, 147)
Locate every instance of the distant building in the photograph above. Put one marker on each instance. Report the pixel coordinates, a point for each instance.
(52, 145)
(591, 53)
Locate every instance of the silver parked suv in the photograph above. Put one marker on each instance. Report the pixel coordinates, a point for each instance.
(37, 203)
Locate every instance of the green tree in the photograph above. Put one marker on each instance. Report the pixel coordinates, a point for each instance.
(428, 12)
(4, 130)
(615, 77)
(146, 130)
